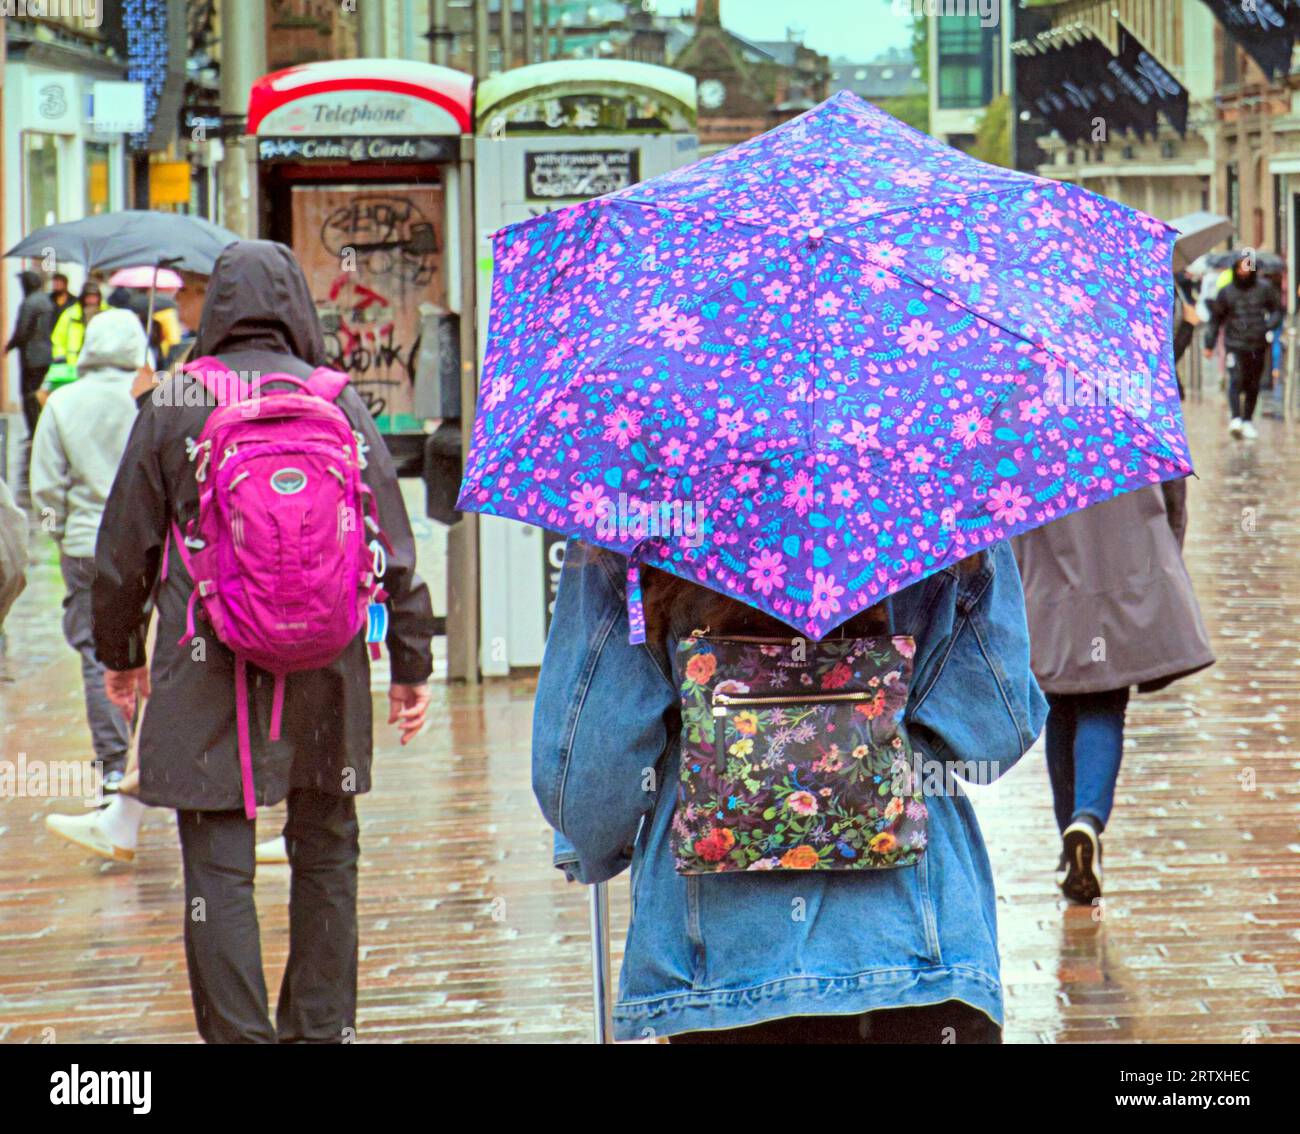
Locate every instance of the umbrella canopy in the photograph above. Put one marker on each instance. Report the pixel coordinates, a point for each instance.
(142, 279)
(1198, 233)
(853, 355)
(128, 239)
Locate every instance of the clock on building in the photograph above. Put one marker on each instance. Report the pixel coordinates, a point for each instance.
(712, 94)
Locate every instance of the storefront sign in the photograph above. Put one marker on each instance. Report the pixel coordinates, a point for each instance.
(169, 183)
(364, 112)
(567, 174)
(55, 102)
(118, 108)
(360, 148)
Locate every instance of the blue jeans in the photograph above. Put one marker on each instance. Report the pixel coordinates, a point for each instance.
(1085, 743)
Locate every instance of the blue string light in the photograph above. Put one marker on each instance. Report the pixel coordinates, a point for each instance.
(147, 54)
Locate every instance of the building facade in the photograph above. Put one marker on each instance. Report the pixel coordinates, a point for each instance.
(970, 67)
(1158, 156)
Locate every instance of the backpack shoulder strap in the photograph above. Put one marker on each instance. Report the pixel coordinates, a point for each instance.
(217, 378)
(327, 383)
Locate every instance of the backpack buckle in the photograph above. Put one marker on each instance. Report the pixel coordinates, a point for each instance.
(203, 452)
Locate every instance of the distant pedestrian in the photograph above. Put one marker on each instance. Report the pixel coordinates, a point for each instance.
(60, 296)
(772, 951)
(1248, 310)
(79, 444)
(259, 319)
(68, 335)
(1110, 606)
(31, 339)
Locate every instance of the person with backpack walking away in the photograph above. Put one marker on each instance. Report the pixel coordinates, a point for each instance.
(777, 950)
(1248, 311)
(79, 442)
(258, 495)
(1110, 606)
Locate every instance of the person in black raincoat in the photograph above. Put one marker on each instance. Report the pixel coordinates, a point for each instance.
(258, 317)
(31, 338)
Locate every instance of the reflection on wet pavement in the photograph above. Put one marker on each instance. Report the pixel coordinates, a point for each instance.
(468, 933)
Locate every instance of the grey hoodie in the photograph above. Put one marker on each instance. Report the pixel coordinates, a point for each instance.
(82, 433)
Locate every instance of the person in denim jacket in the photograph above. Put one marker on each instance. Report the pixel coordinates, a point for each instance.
(897, 955)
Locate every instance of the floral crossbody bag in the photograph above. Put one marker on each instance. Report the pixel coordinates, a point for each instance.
(795, 756)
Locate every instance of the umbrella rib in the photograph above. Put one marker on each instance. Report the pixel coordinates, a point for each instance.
(1037, 345)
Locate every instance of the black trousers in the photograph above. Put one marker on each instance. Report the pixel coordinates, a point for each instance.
(949, 1022)
(32, 377)
(1243, 381)
(318, 997)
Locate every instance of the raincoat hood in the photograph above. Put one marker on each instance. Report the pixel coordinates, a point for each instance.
(114, 341)
(258, 299)
(31, 280)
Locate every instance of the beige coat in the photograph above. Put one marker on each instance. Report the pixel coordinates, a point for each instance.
(1109, 601)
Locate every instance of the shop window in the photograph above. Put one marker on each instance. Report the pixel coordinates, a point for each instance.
(97, 178)
(41, 172)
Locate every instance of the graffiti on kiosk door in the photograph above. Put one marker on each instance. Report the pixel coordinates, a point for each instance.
(372, 256)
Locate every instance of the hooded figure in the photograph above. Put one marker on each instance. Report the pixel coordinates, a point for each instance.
(79, 442)
(1110, 605)
(1247, 311)
(259, 318)
(70, 327)
(31, 338)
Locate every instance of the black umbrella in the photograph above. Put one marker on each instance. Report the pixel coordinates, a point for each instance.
(133, 238)
(1198, 234)
(130, 239)
(1266, 263)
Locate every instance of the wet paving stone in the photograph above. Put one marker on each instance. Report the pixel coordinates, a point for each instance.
(469, 934)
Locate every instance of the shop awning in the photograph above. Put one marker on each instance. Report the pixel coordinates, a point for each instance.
(1265, 29)
(1074, 81)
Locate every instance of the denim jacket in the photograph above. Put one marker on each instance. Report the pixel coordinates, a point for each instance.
(726, 951)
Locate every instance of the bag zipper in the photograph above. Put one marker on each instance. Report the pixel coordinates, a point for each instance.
(721, 701)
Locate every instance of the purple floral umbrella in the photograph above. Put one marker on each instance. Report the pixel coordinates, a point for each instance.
(817, 367)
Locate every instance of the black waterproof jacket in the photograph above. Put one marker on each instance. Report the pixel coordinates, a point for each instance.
(33, 324)
(258, 317)
(1246, 313)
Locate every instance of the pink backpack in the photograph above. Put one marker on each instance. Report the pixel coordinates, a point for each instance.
(279, 552)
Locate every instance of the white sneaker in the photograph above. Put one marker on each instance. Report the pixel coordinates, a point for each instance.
(87, 831)
(273, 850)
(1248, 430)
(1081, 852)
(1234, 426)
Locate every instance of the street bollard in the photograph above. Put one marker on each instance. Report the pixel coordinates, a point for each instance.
(1288, 376)
(602, 1005)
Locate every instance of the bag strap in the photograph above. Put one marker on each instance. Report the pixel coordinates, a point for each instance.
(217, 378)
(327, 383)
